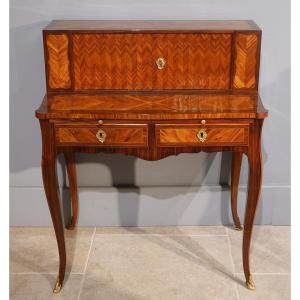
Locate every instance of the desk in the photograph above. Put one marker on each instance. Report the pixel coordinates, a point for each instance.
(151, 89)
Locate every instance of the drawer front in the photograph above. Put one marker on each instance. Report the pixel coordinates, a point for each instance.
(197, 135)
(151, 61)
(116, 135)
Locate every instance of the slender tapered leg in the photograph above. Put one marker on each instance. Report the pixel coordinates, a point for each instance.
(235, 177)
(71, 170)
(254, 186)
(52, 195)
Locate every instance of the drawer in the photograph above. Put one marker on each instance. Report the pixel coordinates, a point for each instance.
(151, 61)
(114, 135)
(168, 135)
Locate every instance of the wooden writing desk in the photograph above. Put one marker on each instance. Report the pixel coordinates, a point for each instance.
(151, 89)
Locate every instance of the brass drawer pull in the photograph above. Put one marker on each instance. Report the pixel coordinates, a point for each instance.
(101, 135)
(202, 135)
(161, 63)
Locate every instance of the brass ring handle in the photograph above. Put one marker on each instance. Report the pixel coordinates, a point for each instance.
(161, 63)
(202, 135)
(101, 135)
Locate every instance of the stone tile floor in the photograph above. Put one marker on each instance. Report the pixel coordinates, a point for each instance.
(141, 263)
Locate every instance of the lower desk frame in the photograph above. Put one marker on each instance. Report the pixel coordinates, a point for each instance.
(49, 155)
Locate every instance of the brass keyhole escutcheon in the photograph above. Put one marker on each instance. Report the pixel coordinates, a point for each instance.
(202, 135)
(101, 135)
(161, 63)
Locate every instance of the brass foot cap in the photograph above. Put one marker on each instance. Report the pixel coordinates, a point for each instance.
(71, 226)
(238, 228)
(57, 287)
(250, 284)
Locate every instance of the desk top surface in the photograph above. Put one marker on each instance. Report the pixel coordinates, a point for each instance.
(151, 106)
(152, 25)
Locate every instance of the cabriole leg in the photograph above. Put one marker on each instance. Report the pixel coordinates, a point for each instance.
(254, 186)
(71, 170)
(235, 177)
(52, 195)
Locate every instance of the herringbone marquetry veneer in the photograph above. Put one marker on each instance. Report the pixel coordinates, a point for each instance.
(246, 61)
(58, 61)
(127, 61)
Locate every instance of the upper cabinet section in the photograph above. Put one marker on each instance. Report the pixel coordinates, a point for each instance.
(148, 55)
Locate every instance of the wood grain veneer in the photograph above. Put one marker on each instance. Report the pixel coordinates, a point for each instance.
(246, 61)
(128, 61)
(125, 26)
(57, 60)
(118, 135)
(151, 106)
(186, 135)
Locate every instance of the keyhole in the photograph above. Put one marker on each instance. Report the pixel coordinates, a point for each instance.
(101, 135)
(201, 134)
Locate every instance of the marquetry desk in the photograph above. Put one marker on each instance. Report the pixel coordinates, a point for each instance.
(151, 89)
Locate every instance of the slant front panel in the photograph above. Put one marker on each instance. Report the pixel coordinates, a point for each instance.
(151, 61)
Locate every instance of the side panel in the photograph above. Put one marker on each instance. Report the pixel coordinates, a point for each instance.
(57, 61)
(246, 61)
